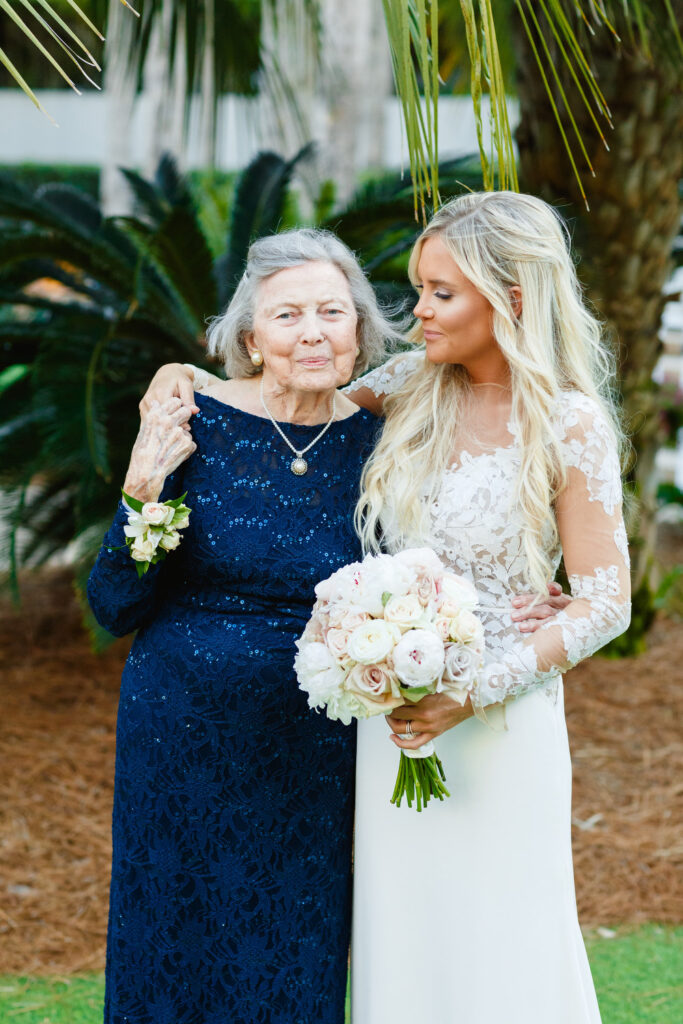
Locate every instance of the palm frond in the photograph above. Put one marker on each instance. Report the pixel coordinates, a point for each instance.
(69, 46)
(258, 209)
(411, 31)
(567, 25)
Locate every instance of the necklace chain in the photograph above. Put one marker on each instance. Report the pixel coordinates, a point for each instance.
(298, 465)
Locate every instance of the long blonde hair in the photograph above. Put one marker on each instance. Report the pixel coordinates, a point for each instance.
(498, 240)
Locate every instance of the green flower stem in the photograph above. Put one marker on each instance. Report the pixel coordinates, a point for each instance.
(419, 779)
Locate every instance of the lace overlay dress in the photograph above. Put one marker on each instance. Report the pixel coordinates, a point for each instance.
(466, 913)
(230, 893)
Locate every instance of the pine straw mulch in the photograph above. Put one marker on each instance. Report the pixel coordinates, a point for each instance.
(57, 750)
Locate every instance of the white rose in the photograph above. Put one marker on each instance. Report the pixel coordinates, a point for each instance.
(373, 641)
(156, 514)
(169, 541)
(442, 625)
(317, 672)
(466, 628)
(404, 611)
(458, 590)
(181, 519)
(376, 687)
(460, 670)
(347, 617)
(143, 549)
(419, 658)
(337, 641)
(461, 664)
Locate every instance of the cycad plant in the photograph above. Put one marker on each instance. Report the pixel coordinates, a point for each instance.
(90, 308)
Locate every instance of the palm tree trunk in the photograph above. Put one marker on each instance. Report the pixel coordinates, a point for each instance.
(207, 132)
(330, 89)
(625, 240)
(120, 87)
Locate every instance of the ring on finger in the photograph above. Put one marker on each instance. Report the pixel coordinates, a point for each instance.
(409, 734)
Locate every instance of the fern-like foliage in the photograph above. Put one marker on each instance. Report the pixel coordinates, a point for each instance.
(90, 308)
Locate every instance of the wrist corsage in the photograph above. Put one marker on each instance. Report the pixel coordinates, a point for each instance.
(153, 529)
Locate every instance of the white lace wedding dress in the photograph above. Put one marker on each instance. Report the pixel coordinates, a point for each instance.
(466, 913)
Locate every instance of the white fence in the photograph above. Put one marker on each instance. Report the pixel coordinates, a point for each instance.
(28, 136)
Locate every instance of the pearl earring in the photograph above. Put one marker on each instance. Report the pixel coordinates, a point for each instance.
(257, 358)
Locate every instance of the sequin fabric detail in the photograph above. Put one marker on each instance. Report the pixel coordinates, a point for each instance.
(233, 807)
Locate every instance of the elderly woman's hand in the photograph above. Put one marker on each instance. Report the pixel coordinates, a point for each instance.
(428, 718)
(162, 444)
(529, 619)
(173, 380)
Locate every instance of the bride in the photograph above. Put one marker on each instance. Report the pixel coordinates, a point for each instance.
(499, 451)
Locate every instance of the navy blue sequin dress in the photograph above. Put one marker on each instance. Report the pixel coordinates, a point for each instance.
(233, 806)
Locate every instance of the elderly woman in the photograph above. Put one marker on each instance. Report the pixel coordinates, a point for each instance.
(233, 807)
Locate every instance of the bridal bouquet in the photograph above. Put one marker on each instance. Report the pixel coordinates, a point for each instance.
(385, 632)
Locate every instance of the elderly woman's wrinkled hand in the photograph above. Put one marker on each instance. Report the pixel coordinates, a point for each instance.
(173, 380)
(163, 443)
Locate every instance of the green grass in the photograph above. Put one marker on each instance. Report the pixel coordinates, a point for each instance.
(638, 975)
(74, 1000)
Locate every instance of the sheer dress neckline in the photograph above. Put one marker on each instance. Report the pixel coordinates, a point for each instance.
(466, 457)
(264, 419)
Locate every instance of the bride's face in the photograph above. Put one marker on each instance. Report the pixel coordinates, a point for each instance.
(456, 318)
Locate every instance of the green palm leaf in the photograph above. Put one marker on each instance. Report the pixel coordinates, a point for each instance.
(42, 15)
(258, 208)
(412, 26)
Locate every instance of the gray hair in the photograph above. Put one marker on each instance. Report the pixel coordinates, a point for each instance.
(267, 256)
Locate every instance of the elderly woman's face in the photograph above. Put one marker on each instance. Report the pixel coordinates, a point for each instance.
(305, 326)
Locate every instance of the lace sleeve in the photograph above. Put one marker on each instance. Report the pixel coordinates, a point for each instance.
(202, 378)
(120, 600)
(595, 549)
(390, 376)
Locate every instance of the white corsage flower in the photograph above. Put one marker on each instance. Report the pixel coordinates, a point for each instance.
(156, 514)
(169, 540)
(152, 529)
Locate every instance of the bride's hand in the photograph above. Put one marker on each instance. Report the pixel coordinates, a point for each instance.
(529, 619)
(173, 380)
(428, 718)
(162, 444)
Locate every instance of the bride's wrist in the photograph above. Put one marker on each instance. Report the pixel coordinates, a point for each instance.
(200, 378)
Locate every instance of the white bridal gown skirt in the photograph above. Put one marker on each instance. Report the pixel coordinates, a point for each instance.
(466, 913)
